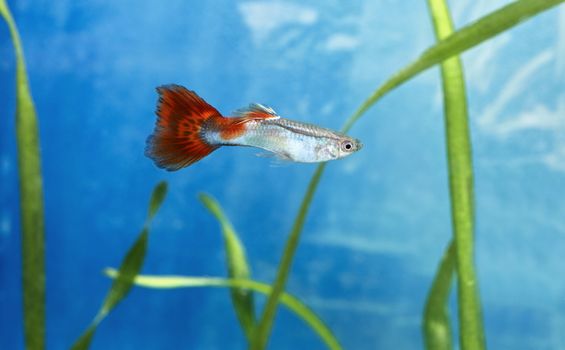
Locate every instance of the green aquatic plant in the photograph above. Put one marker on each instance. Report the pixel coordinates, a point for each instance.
(460, 171)
(454, 44)
(238, 269)
(291, 302)
(264, 327)
(239, 281)
(130, 267)
(435, 324)
(31, 198)
(237, 266)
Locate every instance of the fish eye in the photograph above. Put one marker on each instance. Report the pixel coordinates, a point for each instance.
(347, 146)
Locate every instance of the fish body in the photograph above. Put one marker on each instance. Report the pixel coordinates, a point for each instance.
(291, 140)
(188, 129)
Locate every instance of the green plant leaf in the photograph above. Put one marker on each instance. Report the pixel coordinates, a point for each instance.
(263, 330)
(31, 198)
(291, 302)
(460, 41)
(130, 267)
(159, 194)
(435, 324)
(84, 341)
(456, 43)
(460, 169)
(237, 266)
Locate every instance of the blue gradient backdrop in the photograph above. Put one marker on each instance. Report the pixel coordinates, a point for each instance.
(380, 220)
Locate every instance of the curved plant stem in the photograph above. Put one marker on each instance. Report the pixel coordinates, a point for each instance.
(263, 329)
(459, 159)
(31, 198)
(460, 41)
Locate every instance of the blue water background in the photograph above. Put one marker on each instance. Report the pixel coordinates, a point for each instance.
(380, 220)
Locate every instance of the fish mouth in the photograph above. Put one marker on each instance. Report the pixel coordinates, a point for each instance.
(359, 144)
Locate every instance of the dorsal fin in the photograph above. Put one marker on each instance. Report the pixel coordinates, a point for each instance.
(256, 111)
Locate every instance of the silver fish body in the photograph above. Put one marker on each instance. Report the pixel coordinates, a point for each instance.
(295, 141)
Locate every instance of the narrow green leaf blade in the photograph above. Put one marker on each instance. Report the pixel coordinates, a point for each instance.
(85, 339)
(291, 302)
(456, 43)
(31, 198)
(237, 266)
(130, 267)
(263, 330)
(460, 169)
(436, 325)
(157, 198)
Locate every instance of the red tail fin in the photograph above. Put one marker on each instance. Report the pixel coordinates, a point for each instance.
(177, 140)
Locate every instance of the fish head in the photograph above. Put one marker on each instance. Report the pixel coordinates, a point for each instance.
(339, 147)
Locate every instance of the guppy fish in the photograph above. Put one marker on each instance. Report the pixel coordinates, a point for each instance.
(188, 129)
